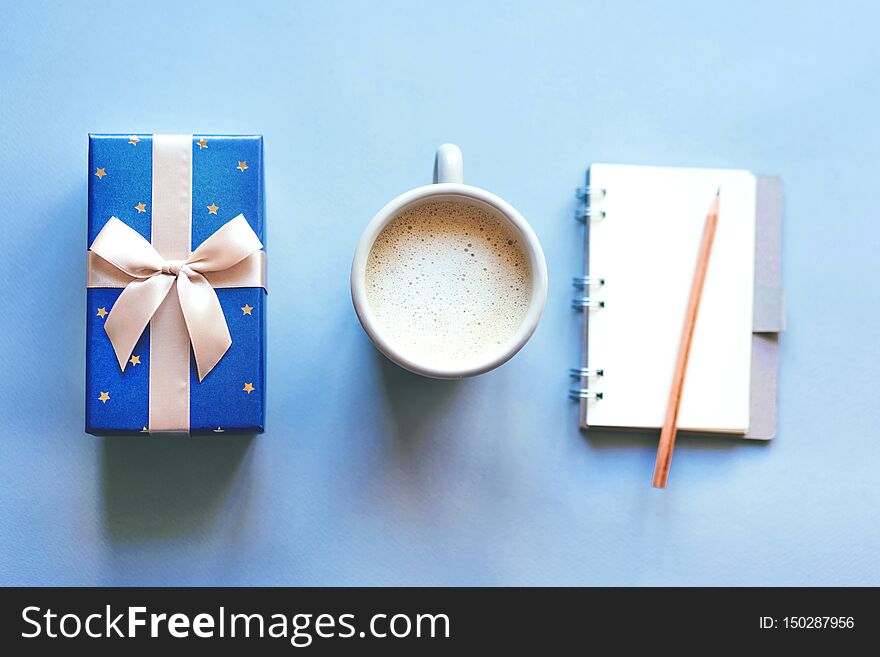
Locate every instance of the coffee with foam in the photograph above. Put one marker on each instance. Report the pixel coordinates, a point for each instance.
(449, 282)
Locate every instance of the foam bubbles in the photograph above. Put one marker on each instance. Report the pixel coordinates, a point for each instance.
(449, 282)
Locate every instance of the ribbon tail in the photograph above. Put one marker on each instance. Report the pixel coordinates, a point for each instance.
(205, 321)
(132, 312)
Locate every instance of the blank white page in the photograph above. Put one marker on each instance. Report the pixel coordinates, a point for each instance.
(646, 250)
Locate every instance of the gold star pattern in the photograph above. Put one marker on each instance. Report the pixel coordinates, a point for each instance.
(246, 309)
(141, 207)
(102, 313)
(145, 430)
(217, 430)
(134, 360)
(133, 140)
(242, 166)
(248, 388)
(104, 397)
(100, 172)
(203, 143)
(212, 209)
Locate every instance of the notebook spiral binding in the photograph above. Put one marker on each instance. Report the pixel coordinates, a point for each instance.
(585, 215)
(583, 393)
(586, 302)
(582, 282)
(586, 193)
(585, 372)
(582, 214)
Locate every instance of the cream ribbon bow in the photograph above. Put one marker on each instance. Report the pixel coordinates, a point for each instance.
(128, 251)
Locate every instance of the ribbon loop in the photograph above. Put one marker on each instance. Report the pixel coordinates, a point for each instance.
(124, 248)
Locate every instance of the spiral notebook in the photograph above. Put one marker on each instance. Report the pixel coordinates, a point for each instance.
(643, 229)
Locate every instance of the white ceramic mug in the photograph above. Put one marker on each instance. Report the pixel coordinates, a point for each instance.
(448, 185)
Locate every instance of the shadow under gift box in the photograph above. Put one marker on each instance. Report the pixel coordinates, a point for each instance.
(227, 180)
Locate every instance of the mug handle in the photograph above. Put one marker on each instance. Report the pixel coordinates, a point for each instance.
(448, 167)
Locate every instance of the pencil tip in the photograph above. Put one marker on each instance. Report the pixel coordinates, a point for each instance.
(718, 192)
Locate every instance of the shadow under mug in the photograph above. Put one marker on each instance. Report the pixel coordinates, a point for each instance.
(448, 185)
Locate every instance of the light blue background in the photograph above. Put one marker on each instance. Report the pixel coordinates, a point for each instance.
(368, 475)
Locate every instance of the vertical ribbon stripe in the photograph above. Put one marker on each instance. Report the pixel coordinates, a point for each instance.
(171, 237)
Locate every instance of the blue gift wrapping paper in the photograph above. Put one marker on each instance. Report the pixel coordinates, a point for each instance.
(227, 179)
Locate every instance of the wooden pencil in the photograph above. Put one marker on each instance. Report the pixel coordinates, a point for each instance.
(670, 423)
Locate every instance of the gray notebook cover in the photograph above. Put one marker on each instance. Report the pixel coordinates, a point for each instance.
(769, 316)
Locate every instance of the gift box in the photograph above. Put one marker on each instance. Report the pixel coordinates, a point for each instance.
(176, 316)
